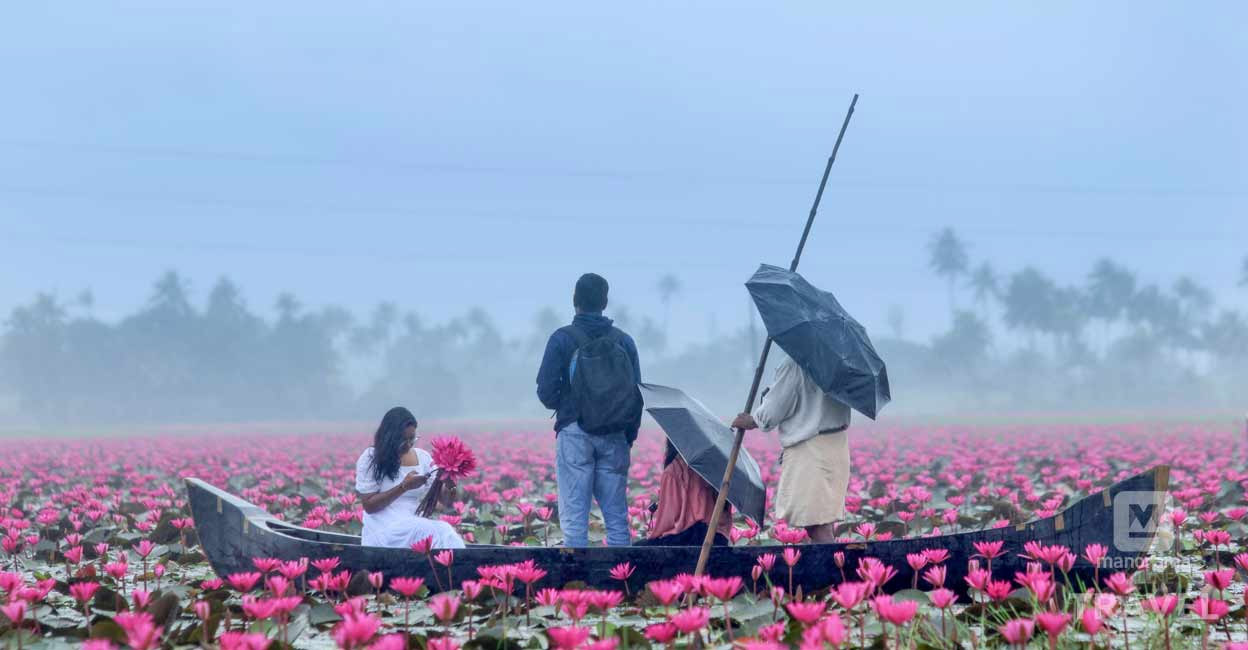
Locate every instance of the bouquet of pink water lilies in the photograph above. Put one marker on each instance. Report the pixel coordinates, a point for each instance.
(454, 461)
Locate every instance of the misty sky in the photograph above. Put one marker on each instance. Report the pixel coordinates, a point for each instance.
(486, 154)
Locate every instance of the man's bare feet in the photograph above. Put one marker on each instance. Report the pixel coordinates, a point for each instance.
(822, 534)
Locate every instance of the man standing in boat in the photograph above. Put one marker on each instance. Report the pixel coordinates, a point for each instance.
(589, 376)
(814, 464)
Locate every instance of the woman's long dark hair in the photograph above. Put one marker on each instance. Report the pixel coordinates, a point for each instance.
(387, 442)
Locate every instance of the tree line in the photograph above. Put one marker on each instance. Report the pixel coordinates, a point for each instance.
(1110, 339)
(1017, 340)
(173, 360)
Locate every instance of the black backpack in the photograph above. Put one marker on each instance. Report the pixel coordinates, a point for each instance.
(601, 379)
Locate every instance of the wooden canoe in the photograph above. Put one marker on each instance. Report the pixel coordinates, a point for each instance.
(233, 531)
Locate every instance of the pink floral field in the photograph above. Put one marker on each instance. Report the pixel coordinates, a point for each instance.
(99, 549)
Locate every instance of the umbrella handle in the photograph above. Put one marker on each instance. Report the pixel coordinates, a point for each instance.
(722, 497)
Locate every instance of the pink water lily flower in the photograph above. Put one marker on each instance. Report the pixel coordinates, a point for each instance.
(849, 594)
(399, 642)
(691, 619)
(773, 632)
(1053, 622)
(896, 612)
(1120, 584)
(875, 572)
(1163, 605)
(667, 591)
(767, 561)
(407, 587)
(828, 630)
(567, 638)
(916, 560)
(1220, 579)
(15, 611)
(806, 612)
(83, 591)
(1018, 631)
(235, 640)
(935, 576)
(266, 564)
(243, 582)
(661, 632)
(989, 549)
(942, 598)
(355, 630)
(444, 606)
(548, 597)
(723, 589)
(326, 565)
(1095, 553)
(1091, 621)
(622, 571)
(1210, 610)
(140, 629)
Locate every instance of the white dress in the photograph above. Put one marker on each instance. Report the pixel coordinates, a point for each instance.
(398, 525)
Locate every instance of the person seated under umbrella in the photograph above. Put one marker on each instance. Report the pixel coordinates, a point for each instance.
(686, 502)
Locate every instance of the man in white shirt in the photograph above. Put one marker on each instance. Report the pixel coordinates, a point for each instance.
(814, 465)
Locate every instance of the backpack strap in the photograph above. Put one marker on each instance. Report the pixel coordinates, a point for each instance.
(578, 335)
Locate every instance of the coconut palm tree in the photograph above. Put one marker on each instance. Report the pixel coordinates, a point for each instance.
(966, 344)
(1029, 300)
(1158, 316)
(170, 298)
(85, 301)
(668, 286)
(230, 338)
(1109, 291)
(33, 354)
(948, 258)
(1070, 316)
(1226, 337)
(1195, 299)
(367, 339)
(287, 306)
(986, 285)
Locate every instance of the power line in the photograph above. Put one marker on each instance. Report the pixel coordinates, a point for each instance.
(658, 220)
(354, 252)
(284, 159)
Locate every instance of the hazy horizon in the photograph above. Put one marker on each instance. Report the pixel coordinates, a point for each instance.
(448, 157)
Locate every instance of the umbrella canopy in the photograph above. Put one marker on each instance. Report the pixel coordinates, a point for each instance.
(813, 329)
(705, 442)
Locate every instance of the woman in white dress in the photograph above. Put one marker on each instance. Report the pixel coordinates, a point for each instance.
(392, 478)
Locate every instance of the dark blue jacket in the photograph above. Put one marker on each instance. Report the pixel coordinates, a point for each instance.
(552, 377)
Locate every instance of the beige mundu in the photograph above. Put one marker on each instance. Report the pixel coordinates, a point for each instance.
(814, 466)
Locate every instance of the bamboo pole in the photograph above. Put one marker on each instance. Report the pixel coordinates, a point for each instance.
(704, 555)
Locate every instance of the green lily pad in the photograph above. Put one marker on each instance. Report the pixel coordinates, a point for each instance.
(912, 594)
(323, 614)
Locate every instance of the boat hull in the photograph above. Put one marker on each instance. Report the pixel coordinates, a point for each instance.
(233, 531)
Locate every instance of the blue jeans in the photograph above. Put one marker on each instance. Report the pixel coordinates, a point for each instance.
(592, 468)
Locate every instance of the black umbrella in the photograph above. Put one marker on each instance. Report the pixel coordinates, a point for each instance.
(813, 329)
(705, 443)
